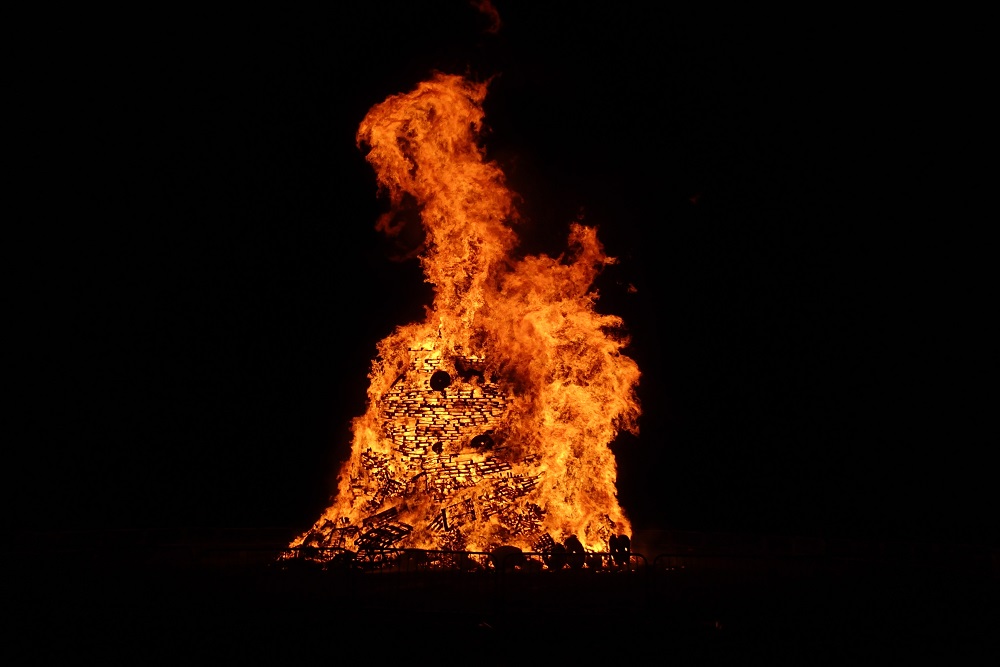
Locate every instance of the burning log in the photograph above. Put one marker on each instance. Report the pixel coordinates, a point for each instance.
(380, 518)
(454, 516)
(383, 537)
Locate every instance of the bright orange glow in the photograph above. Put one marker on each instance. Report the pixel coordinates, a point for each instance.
(489, 422)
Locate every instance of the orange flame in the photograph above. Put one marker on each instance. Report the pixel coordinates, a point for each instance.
(489, 422)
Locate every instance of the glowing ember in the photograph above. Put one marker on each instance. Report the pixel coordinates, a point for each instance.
(489, 422)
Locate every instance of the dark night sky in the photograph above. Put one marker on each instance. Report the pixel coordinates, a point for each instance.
(208, 285)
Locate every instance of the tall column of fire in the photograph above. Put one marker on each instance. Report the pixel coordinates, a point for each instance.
(489, 422)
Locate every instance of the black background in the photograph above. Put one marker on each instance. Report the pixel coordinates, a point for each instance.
(200, 286)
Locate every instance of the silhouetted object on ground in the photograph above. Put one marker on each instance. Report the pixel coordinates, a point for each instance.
(345, 560)
(577, 554)
(621, 547)
(412, 559)
(507, 558)
(556, 558)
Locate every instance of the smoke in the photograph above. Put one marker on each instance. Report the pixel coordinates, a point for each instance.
(487, 8)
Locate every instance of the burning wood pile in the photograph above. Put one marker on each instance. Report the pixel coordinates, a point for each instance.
(489, 422)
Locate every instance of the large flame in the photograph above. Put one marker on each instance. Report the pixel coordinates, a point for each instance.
(489, 422)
